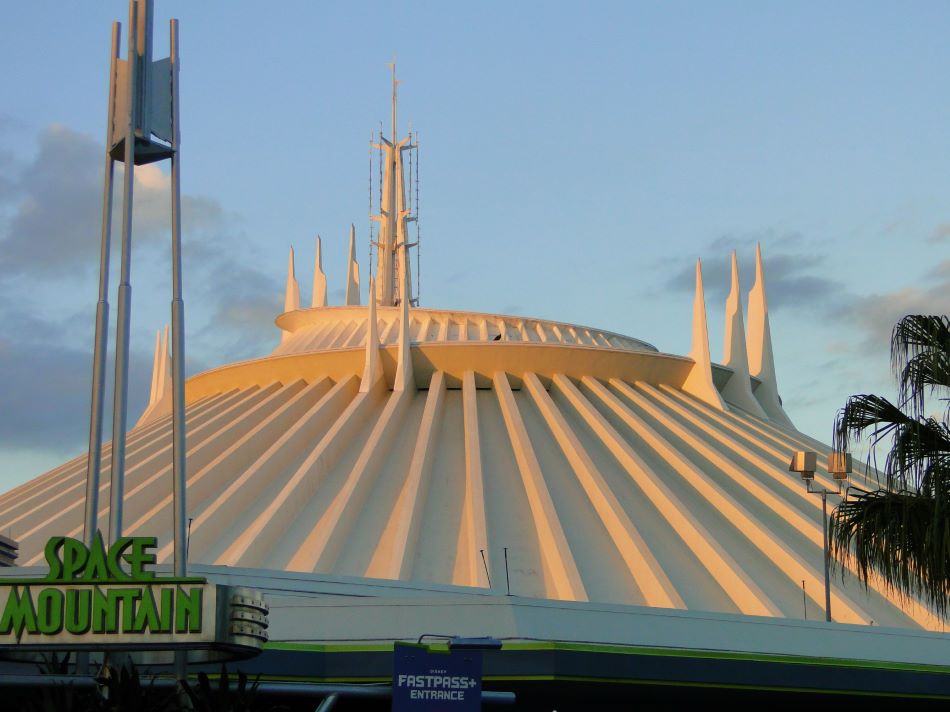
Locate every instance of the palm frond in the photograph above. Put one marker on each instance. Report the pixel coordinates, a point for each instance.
(867, 412)
(920, 356)
(904, 537)
(902, 530)
(919, 457)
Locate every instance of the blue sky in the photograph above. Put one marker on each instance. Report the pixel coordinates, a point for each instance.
(575, 160)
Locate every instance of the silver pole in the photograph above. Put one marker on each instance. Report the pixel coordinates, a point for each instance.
(824, 534)
(178, 327)
(120, 402)
(94, 458)
(101, 345)
(178, 347)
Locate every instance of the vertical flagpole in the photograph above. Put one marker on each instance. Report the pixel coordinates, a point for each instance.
(120, 401)
(178, 346)
(178, 325)
(94, 458)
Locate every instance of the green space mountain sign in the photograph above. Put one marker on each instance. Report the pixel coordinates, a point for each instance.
(104, 598)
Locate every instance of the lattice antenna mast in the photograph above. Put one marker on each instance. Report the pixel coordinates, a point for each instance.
(418, 229)
(414, 207)
(372, 235)
(394, 214)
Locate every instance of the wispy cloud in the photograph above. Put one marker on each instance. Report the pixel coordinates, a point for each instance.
(241, 302)
(49, 240)
(775, 239)
(792, 276)
(940, 233)
(55, 205)
(48, 381)
(875, 314)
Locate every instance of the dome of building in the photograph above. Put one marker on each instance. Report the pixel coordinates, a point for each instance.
(547, 459)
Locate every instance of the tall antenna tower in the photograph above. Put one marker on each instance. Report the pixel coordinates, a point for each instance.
(395, 213)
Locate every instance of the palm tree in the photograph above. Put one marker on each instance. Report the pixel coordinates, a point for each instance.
(901, 530)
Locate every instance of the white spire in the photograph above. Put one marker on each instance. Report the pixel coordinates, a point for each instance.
(372, 369)
(158, 343)
(163, 381)
(160, 395)
(699, 383)
(319, 296)
(353, 272)
(738, 389)
(292, 292)
(394, 212)
(404, 378)
(759, 341)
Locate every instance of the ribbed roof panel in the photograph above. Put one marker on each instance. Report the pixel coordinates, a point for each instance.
(600, 489)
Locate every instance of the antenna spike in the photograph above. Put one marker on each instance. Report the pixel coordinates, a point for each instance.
(372, 368)
(394, 212)
(291, 293)
(699, 383)
(759, 341)
(353, 273)
(404, 377)
(160, 397)
(164, 383)
(319, 296)
(155, 362)
(738, 389)
(395, 84)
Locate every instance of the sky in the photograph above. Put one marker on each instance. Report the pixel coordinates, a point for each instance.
(575, 160)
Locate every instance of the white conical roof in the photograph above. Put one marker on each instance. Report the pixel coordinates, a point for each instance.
(576, 449)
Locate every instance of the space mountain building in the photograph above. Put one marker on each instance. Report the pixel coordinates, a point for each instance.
(622, 519)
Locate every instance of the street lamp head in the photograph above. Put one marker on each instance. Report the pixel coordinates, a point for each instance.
(839, 464)
(804, 463)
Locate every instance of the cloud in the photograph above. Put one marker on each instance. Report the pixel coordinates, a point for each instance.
(8, 168)
(940, 233)
(56, 206)
(9, 121)
(772, 238)
(56, 215)
(789, 277)
(50, 229)
(242, 302)
(876, 314)
(941, 272)
(48, 385)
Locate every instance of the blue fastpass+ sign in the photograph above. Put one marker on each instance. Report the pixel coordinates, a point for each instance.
(442, 680)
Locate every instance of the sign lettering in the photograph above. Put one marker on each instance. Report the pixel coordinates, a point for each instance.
(100, 594)
(436, 680)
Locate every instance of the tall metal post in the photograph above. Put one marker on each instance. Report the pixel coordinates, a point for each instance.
(824, 536)
(178, 346)
(143, 102)
(94, 458)
(178, 329)
(120, 401)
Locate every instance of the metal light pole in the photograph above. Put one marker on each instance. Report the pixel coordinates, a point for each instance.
(94, 458)
(839, 466)
(142, 127)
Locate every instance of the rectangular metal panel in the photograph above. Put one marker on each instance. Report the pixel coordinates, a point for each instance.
(160, 99)
(120, 109)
